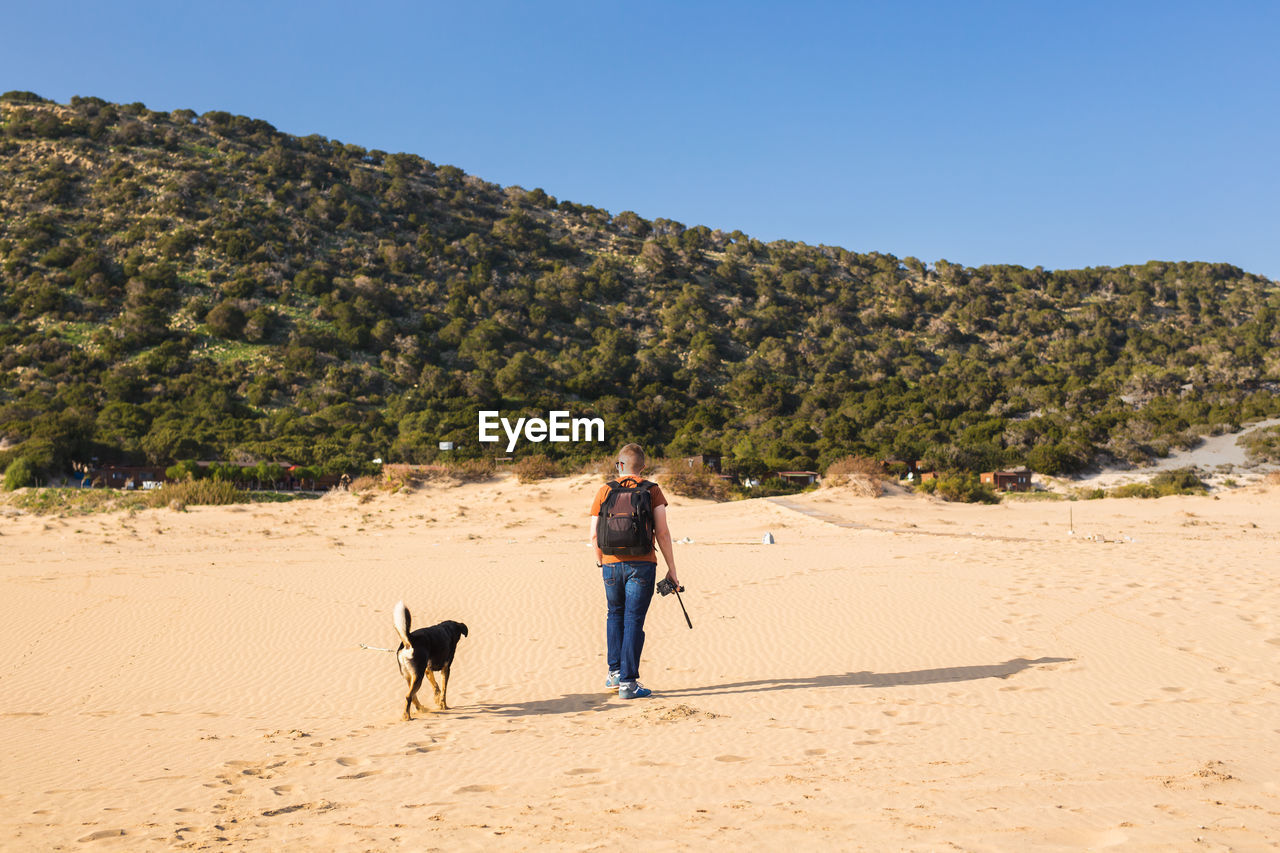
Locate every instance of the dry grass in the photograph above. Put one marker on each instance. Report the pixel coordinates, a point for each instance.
(367, 484)
(531, 469)
(859, 474)
(472, 470)
(695, 481)
(601, 468)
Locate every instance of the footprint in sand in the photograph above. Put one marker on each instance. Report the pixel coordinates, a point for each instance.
(730, 758)
(581, 771)
(476, 789)
(346, 761)
(363, 774)
(101, 834)
(815, 752)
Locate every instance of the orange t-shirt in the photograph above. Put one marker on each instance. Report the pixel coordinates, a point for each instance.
(656, 499)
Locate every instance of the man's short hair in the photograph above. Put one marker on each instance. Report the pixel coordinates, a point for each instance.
(633, 456)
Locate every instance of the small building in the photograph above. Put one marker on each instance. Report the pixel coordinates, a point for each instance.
(799, 478)
(129, 476)
(928, 475)
(1014, 480)
(710, 461)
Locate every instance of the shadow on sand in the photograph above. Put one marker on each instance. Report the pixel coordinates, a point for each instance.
(873, 679)
(571, 703)
(578, 702)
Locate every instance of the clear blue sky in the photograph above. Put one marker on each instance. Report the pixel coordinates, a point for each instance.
(1063, 134)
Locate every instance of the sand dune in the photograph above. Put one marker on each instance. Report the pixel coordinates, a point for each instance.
(891, 674)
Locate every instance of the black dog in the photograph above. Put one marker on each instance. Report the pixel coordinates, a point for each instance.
(423, 652)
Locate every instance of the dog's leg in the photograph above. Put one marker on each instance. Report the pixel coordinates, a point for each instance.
(436, 687)
(444, 687)
(415, 682)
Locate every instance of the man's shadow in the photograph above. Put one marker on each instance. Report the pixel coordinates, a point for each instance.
(943, 675)
(578, 702)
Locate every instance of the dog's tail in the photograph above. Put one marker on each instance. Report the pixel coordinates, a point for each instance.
(402, 620)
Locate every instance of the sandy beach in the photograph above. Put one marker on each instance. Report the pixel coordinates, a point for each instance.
(892, 674)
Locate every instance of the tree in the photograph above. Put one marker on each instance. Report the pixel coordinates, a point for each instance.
(188, 469)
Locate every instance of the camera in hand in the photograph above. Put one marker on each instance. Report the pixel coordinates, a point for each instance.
(666, 587)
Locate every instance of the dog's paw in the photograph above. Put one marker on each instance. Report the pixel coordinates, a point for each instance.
(405, 716)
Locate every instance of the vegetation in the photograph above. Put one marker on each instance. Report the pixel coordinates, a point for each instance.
(195, 493)
(1182, 481)
(961, 486)
(862, 474)
(1262, 445)
(19, 474)
(695, 481)
(181, 286)
(531, 469)
(74, 501)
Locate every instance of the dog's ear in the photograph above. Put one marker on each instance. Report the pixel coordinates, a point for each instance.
(462, 628)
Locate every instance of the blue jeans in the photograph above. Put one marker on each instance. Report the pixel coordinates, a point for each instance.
(628, 589)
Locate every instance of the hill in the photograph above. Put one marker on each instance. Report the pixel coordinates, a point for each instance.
(175, 285)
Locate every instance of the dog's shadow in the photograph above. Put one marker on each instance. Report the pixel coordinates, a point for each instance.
(579, 702)
(570, 703)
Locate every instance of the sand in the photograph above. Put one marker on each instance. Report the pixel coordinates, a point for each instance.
(892, 674)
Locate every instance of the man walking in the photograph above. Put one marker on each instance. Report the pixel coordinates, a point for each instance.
(627, 517)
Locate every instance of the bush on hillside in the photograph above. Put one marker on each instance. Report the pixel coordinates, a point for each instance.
(1182, 481)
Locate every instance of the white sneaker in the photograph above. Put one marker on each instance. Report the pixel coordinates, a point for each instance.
(632, 690)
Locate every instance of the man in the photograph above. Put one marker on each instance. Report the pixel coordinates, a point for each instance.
(629, 580)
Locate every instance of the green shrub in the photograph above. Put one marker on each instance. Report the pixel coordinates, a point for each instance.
(19, 475)
(226, 320)
(960, 487)
(1135, 490)
(196, 493)
(1262, 445)
(188, 469)
(1181, 481)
